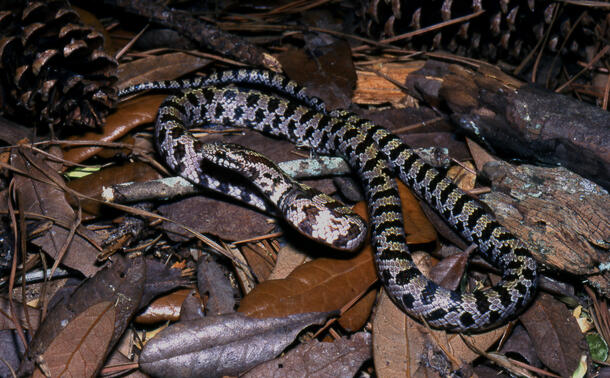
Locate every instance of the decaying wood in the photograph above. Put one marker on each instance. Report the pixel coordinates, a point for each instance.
(564, 217)
(518, 120)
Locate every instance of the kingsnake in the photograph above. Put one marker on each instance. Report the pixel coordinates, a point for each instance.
(377, 156)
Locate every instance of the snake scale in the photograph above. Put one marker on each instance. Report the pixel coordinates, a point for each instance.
(282, 108)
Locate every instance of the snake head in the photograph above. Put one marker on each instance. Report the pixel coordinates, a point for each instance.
(324, 219)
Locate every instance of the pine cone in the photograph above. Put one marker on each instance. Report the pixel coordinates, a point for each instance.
(507, 30)
(53, 69)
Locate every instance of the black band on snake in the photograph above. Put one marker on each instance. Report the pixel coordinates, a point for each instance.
(376, 155)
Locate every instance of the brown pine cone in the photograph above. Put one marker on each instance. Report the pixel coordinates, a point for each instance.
(53, 68)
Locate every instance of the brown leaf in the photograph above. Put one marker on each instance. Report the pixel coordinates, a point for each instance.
(327, 284)
(165, 308)
(519, 343)
(129, 115)
(161, 278)
(48, 201)
(341, 358)
(418, 228)
(192, 307)
(224, 219)
(121, 283)
(153, 68)
(80, 348)
(479, 154)
(260, 258)
(555, 334)
(404, 347)
(449, 271)
(288, 259)
(330, 75)
(212, 281)
(221, 345)
(356, 316)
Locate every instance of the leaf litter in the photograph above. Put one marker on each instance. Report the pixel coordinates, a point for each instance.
(331, 73)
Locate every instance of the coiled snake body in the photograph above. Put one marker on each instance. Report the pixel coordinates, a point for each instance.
(376, 155)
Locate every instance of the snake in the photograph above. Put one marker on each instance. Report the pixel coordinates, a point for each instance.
(273, 104)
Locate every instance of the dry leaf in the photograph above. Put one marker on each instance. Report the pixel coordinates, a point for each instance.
(165, 308)
(463, 176)
(404, 347)
(357, 315)
(341, 358)
(121, 284)
(324, 284)
(48, 200)
(221, 345)
(288, 258)
(449, 271)
(479, 154)
(80, 348)
(12, 350)
(329, 74)
(260, 257)
(555, 334)
(163, 67)
(224, 219)
(520, 344)
(129, 115)
(212, 281)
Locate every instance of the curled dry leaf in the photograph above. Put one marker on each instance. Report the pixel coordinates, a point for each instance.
(128, 116)
(341, 358)
(80, 348)
(221, 345)
(165, 308)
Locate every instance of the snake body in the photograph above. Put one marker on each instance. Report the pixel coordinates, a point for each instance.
(377, 156)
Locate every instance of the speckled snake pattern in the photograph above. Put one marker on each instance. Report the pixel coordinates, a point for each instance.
(271, 103)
